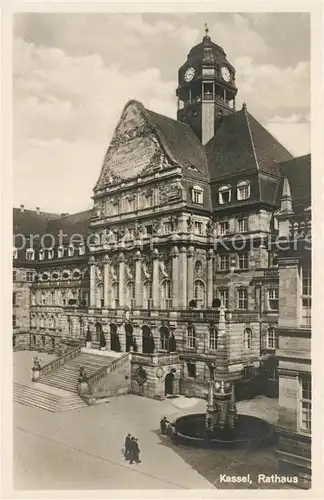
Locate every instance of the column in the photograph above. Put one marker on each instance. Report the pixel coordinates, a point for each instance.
(156, 279)
(121, 283)
(92, 282)
(106, 281)
(122, 337)
(183, 277)
(210, 273)
(190, 276)
(175, 277)
(138, 279)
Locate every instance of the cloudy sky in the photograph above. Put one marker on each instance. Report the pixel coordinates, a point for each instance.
(73, 73)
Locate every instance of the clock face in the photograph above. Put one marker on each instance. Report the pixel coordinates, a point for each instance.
(225, 74)
(189, 74)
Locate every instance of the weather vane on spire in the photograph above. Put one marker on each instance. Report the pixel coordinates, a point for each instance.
(206, 29)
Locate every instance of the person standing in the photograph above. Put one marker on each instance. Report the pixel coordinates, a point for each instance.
(127, 447)
(134, 451)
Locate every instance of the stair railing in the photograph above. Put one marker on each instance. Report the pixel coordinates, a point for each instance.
(107, 369)
(56, 363)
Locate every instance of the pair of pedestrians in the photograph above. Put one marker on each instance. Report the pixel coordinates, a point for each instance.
(131, 449)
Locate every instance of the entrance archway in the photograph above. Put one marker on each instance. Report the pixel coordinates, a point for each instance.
(98, 327)
(114, 338)
(148, 340)
(129, 336)
(168, 384)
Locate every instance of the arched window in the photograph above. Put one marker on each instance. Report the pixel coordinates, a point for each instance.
(213, 337)
(191, 336)
(115, 294)
(30, 254)
(64, 299)
(43, 299)
(49, 299)
(199, 293)
(42, 322)
(130, 294)
(32, 321)
(166, 295)
(164, 338)
(98, 331)
(51, 323)
(70, 250)
(147, 292)
(243, 190)
(247, 338)
(224, 194)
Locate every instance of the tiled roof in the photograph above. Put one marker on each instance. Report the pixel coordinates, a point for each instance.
(298, 172)
(180, 141)
(77, 223)
(242, 144)
(31, 221)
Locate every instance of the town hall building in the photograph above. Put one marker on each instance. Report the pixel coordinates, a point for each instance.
(185, 219)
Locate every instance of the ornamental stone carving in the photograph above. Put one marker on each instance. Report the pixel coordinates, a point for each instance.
(168, 193)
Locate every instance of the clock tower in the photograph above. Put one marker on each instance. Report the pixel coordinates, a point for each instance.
(206, 88)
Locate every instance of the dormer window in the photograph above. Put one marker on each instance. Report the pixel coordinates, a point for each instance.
(15, 253)
(197, 194)
(60, 252)
(243, 190)
(50, 254)
(30, 254)
(81, 249)
(224, 194)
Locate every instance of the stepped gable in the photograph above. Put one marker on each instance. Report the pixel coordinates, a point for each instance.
(298, 173)
(145, 142)
(242, 144)
(31, 221)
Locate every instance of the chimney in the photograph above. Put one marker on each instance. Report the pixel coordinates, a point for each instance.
(22, 208)
(38, 210)
(64, 214)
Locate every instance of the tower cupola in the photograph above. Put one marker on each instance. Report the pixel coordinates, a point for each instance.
(206, 88)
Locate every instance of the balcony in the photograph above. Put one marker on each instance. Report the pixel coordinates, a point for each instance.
(156, 359)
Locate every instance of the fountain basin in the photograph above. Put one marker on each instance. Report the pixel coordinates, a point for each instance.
(249, 432)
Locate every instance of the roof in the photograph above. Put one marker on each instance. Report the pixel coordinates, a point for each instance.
(242, 144)
(298, 172)
(177, 141)
(180, 141)
(31, 221)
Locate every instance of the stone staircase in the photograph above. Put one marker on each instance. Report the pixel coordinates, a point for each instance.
(66, 376)
(31, 396)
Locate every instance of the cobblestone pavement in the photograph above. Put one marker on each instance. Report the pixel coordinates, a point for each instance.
(81, 449)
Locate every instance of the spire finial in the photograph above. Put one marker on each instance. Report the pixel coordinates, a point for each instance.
(206, 29)
(244, 105)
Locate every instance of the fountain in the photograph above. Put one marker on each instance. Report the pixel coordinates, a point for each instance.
(221, 425)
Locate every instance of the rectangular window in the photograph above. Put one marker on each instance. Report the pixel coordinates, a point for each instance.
(14, 275)
(223, 228)
(272, 338)
(149, 229)
(191, 337)
(167, 227)
(197, 227)
(30, 276)
(149, 200)
(242, 298)
(115, 208)
(213, 338)
(14, 298)
(222, 295)
(243, 261)
(197, 196)
(306, 297)
(14, 322)
(305, 384)
(243, 225)
(273, 299)
(223, 262)
(191, 370)
(131, 205)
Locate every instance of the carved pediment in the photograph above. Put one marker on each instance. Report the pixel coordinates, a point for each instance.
(134, 149)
